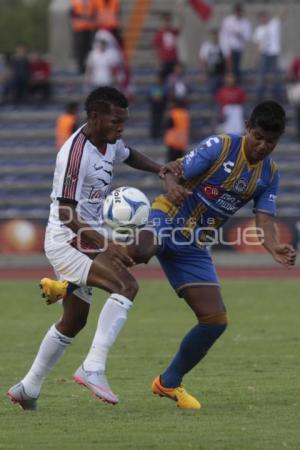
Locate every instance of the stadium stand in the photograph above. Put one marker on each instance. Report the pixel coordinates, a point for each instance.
(27, 148)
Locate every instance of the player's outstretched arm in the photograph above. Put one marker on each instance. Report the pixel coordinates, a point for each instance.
(282, 253)
(139, 161)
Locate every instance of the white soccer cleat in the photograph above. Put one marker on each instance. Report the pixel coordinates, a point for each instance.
(97, 383)
(18, 395)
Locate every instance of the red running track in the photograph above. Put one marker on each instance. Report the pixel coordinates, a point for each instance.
(152, 273)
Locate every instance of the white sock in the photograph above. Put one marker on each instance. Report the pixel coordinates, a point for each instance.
(111, 321)
(51, 350)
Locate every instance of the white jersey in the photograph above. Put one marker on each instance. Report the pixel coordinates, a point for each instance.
(83, 176)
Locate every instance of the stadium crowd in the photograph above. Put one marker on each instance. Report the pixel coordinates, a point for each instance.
(101, 60)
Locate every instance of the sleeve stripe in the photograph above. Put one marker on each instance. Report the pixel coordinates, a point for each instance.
(73, 166)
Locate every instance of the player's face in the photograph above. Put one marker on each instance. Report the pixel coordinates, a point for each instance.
(110, 126)
(260, 143)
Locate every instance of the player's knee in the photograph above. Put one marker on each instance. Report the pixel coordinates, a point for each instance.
(142, 254)
(129, 289)
(215, 319)
(214, 325)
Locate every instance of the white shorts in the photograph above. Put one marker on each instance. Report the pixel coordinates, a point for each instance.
(68, 263)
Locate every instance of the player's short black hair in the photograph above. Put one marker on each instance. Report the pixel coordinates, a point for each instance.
(103, 97)
(268, 115)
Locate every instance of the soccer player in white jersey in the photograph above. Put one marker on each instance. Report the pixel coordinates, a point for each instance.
(82, 180)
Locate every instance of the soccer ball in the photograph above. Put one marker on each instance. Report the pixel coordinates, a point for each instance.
(126, 207)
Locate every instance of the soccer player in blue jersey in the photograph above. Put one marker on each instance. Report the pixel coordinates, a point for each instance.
(219, 176)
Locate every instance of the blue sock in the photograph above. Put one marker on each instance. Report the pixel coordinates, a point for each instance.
(193, 348)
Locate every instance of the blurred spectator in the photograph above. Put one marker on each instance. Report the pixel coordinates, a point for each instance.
(83, 25)
(293, 90)
(110, 39)
(177, 83)
(176, 136)
(20, 74)
(122, 71)
(101, 65)
(267, 37)
(165, 43)
(39, 81)
(234, 34)
(66, 124)
(6, 71)
(231, 99)
(158, 101)
(107, 17)
(212, 61)
(124, 79)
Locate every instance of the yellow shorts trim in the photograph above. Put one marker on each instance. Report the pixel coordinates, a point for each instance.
(214, 319)
(162, 203)
(203, 283)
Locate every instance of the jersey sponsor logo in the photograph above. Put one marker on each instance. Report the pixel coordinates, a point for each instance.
(211, 192)
(228, 202)
(240, 186)
(95, 195)
(228, 165)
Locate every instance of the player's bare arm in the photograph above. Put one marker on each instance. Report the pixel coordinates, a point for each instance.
(69, 216)
(282, 253)
(139, 161)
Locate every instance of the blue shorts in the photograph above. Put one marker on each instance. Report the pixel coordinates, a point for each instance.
(184, 264)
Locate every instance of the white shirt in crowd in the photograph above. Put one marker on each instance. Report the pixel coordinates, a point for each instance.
(112, 43)
(234, 34)
(268, 37)
(209, 52)
(100, 66)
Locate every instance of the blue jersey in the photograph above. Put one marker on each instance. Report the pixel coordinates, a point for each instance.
(222, 181)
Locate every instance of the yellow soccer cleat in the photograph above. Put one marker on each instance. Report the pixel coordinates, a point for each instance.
(178, 394)
(53, 290)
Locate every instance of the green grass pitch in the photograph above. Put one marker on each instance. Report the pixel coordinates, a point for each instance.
(249, 384)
